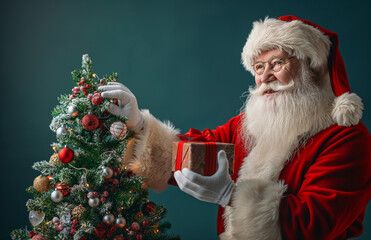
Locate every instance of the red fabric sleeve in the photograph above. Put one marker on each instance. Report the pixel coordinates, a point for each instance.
(335, 190)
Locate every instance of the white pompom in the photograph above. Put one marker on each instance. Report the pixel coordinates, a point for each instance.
(347, 110)
(118, 129)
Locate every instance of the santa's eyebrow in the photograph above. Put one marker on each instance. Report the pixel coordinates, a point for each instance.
(270, 59)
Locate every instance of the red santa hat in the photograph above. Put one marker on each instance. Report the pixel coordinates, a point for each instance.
(310, 42)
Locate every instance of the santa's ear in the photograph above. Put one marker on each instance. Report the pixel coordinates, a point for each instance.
(347, 109)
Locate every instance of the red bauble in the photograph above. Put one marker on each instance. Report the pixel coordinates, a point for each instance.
(90, 122)
(60, 227)
(147, 208)
(138, 236)
(63, 188)
(66, 155)
(32, 233)
(37, 237)
(97, 99)
(145, 223)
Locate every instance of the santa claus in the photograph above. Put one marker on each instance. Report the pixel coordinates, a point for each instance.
(302, 160)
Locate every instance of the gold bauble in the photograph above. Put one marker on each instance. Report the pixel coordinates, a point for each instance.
(54, 159)
(41, 183)
(78, 211)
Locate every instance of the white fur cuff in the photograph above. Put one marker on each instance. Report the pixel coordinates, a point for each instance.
(347, 109)
(152, 150)
(255, 210)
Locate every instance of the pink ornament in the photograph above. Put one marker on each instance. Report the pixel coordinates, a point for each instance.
(90, 96)
(105, 193)
(135, 226)
(55, 220)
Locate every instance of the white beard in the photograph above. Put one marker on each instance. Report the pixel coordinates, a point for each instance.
(275, 126)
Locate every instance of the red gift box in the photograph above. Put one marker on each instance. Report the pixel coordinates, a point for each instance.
(200, 157)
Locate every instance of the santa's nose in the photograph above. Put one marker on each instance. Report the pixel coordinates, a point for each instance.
(267, 76)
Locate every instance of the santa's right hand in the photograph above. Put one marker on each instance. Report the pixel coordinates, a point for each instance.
(127, 104)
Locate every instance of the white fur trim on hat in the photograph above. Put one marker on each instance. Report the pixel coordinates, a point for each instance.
(347, 109)
(296, 38)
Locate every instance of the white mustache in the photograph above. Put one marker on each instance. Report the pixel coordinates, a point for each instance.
(275, 86)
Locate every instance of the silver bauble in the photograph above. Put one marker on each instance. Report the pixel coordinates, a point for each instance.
(109, 218)
(72, 111)
(56, 196)
(93, 202)
(61, 132)
(120, 221)
(107, 172)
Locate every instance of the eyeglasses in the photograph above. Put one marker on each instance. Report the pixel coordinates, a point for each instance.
(275, 64)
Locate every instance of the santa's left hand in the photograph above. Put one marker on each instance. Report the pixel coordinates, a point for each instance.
(217, 188)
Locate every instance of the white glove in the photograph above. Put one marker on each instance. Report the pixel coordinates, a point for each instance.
(128, 106)
(217, 188)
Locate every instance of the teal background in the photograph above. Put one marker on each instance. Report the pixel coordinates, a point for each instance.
(180, 58)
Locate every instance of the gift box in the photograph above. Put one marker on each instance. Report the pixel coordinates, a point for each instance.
(200, 157)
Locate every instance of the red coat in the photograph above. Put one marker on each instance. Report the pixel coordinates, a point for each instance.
(329, 182)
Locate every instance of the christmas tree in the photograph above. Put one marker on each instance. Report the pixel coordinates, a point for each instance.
(84, 191)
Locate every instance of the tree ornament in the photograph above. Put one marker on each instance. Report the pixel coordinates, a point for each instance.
(90, 122)
(66, 155)
(109, 218)
(89, 96)
(135, 226)
(97, 99)
(36, 217)
(78, 211)
(103, 199)
(90, 195)
(63, 188)
(145, 223)
(54, 159)
(73, 231)
(56, 196)
(148, 207)
(55, 220)
(120, 221)
(61, 132)
(93, 202)
(37, 237)
(118, 129)
(138, 236)
(32, 233)
(107, 172)
(60, 227)
(41, 183)
(72, 110)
